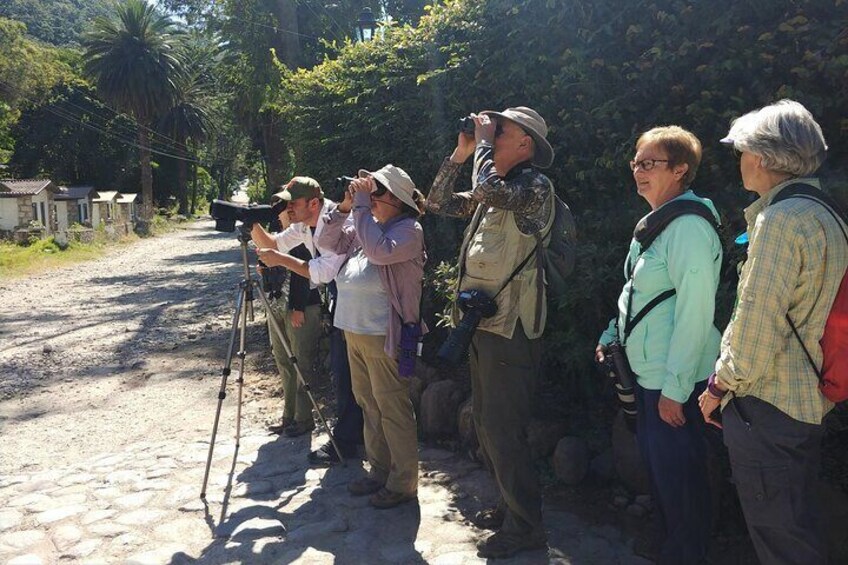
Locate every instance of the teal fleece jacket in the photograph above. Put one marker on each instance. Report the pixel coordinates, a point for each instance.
(676, 345)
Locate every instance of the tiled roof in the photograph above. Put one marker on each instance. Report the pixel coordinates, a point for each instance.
(127, 198)
(27, 187)
(74, 192)
(106, 196)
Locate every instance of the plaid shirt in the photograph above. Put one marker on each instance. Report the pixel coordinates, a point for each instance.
(796, 259)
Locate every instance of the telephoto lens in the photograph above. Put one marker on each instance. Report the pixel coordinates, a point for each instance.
(624, 382)
(475, 305)
(341, 184)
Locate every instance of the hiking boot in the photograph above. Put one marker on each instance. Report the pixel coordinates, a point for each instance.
(500, 544)
(326, 454)
(364, 485)
(300, 428)
(385, 498)
(490, 518)
(281, 427)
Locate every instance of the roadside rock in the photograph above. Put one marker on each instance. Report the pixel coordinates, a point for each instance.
(628, 461)
(571, 460)
(439, 405)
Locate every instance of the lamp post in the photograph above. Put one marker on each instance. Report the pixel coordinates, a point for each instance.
(366, 25)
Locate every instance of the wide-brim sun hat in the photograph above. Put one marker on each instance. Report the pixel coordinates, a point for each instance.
(530, 121)
(396, 181)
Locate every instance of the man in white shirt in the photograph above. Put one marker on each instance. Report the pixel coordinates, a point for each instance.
(305, 210)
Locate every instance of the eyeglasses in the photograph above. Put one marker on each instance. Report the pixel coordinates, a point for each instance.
(499, 130)
(646, 164)
(737, 153)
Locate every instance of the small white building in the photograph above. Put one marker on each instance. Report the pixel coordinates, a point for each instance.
(79, 202)
(104, 207)
(24, 201)
(129, 210)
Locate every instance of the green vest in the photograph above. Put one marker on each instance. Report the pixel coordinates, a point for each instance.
(492, 249)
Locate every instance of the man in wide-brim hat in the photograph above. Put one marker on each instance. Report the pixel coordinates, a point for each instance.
(511, 202)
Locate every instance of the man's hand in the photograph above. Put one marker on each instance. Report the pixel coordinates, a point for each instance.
(708, 404)
(485, 130)
(465, 145)
(671, 412)
(271, 257)
(297, 318)
(256, 232)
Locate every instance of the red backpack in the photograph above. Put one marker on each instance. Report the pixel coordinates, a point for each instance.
(833, 376)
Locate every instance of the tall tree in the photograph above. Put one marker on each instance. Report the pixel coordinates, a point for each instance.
(134, 63)
(188, 121)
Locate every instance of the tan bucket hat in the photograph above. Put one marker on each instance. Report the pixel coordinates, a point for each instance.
(535, 126)
(396, 180)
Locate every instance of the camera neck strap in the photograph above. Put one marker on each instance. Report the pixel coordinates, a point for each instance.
(646, 232)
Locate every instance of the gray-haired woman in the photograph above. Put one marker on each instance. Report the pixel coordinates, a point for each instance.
(797, 255)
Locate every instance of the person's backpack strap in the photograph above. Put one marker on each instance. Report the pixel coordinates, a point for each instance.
(649, 229)
(809, 192)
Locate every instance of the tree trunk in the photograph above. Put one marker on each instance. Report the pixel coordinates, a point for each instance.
(288, 36)
(275, 154)
(193, 205)
(182, 181)
(146, 181)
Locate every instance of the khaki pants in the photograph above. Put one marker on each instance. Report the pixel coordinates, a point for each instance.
(303, 342)
(391, 441)
(503, 382)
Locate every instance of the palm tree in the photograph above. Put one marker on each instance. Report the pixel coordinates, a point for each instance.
(134, 63)
(187, 121)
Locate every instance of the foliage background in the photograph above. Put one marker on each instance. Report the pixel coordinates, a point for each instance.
(601, 73)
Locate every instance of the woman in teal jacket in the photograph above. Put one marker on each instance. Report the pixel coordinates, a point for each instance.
(672, 349)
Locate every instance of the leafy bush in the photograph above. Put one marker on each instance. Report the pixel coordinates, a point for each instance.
(601, 74)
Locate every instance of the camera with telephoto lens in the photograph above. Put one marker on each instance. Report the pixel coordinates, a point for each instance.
(226, 214)
(475, 305)
(617, 367)
(467, 125)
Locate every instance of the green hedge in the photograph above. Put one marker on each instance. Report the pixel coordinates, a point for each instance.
(600, 72)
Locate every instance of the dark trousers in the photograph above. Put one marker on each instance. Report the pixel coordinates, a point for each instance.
(676, 459)
(503, 382)
(775, 462)
(349, 422)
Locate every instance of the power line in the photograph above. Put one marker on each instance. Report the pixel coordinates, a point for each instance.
(73, 118)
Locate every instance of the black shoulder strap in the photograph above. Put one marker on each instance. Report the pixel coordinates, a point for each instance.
(652, 225)
(809, 192)
(647, 230)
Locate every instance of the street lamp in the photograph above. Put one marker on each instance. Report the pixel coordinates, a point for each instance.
(366, 25)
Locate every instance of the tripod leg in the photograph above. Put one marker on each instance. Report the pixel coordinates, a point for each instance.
(275, 327)
(242, 353)
(225, 373)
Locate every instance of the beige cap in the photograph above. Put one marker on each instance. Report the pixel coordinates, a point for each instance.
(535, 126)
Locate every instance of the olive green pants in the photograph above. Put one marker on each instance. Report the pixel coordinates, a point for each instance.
(503, 383)
(303, 342)
(391, 435)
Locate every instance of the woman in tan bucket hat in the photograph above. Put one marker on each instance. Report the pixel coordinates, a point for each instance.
(379, 311)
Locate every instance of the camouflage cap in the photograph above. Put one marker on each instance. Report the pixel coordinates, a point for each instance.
(301, 187)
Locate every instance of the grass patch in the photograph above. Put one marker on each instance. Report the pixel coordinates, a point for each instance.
(45, 254)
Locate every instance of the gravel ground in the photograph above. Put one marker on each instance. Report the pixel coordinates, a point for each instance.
(109, 380)
(125, 347)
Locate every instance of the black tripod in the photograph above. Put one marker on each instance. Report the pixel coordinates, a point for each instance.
(243, 313)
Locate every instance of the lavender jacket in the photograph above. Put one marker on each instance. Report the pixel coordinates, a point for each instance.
(396, 248)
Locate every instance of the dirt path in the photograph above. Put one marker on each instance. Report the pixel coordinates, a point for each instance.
(109, 375)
